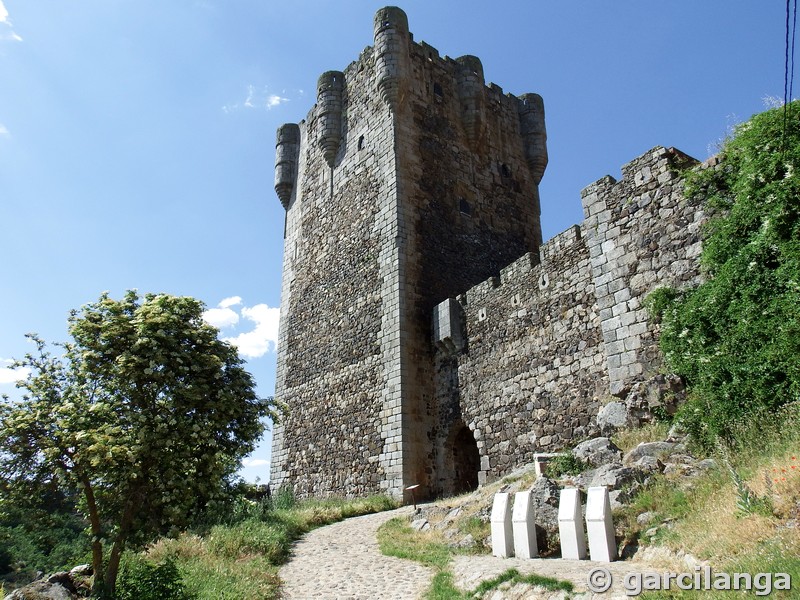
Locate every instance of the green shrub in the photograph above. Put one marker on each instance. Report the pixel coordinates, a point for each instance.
(565, 463)
(140, 579)
(736, 338)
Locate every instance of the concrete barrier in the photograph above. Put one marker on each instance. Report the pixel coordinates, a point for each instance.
(523, 521)
(502, 534)
(570, 525)
(599, 525)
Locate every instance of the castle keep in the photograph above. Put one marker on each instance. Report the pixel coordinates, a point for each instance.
(427, 334)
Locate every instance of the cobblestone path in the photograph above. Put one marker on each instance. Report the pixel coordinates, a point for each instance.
(342, 562)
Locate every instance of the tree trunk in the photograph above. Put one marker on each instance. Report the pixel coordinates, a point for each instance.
(98, 585)
(119, 546)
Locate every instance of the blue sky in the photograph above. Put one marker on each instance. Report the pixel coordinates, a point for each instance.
(137, 136)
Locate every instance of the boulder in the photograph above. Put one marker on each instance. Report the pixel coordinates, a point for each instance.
(42, 590)
(598, 451)
(611, 417)
(654, 449)
(544, 496)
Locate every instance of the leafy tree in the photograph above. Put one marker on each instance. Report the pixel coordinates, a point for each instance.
(146, 414)
(736, 338)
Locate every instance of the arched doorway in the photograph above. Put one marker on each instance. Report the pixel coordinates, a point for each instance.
(466, 460)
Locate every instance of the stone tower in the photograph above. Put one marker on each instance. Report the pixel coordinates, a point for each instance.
(409, 182)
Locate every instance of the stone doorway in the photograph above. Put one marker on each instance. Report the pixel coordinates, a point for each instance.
(466, 460)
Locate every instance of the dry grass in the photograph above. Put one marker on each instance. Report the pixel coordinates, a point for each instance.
(628, 439)
(714, 531)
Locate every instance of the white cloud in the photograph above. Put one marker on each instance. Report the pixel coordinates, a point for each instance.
(254, 462)
(261, 339)
(4, 132)
(275, 100)
(221, 317)
(264, 337)
(228, 302)
(7, 32)
(9, 375)
(255, 99)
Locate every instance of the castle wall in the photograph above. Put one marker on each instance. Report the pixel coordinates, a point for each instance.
(532, 372)
(469, 199)
(642, 234)
(541, 346)
(337, 307)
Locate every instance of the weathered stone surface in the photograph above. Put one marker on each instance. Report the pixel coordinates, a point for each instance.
(597, 451)
(652, 449)
(544, 497)
(42, 590)
(612, 416)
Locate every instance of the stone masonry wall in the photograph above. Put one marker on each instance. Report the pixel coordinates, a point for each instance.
(532, 372)
(331, 365)
(642, 234)
(546, 342)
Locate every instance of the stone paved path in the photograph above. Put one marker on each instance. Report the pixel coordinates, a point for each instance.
(343, 562)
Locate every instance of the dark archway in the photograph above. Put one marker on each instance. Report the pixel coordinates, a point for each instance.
(466, 461)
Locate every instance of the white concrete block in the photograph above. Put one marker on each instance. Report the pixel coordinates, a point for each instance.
(570, 525)
(523, 523)
(502, 533)
(599, 525)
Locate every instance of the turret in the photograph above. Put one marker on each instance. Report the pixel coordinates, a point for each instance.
(391, 52)
(470, 83)
(287, 150)
(534, 134)
(329, 101)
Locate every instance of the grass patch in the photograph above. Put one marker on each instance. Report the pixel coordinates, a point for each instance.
(239, 560)
(627, 439)
(712, 521)
(396, 538)
(513, 576)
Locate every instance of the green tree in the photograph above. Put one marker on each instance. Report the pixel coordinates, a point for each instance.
(736, 338)
(146, 414)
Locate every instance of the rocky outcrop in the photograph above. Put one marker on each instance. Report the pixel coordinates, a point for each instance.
(64, 585)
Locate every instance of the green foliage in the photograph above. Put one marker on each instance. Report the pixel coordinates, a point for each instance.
(513, 576)
(140, 579)
(238, 561)
(396, 538)
(658, 301)
(736, 338)
(565, 463)
(146, 414)
(42, 532)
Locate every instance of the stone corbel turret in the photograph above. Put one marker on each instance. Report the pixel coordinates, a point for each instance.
(329, 100)
(534, 134)
(470, 84)
(391, 53)
(448, 327)
(287, 150)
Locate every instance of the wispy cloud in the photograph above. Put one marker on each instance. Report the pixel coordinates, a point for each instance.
(7, 32)
(257, 342)
(4, 132)
(254, 462)
(258, 99)
(9, 375)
